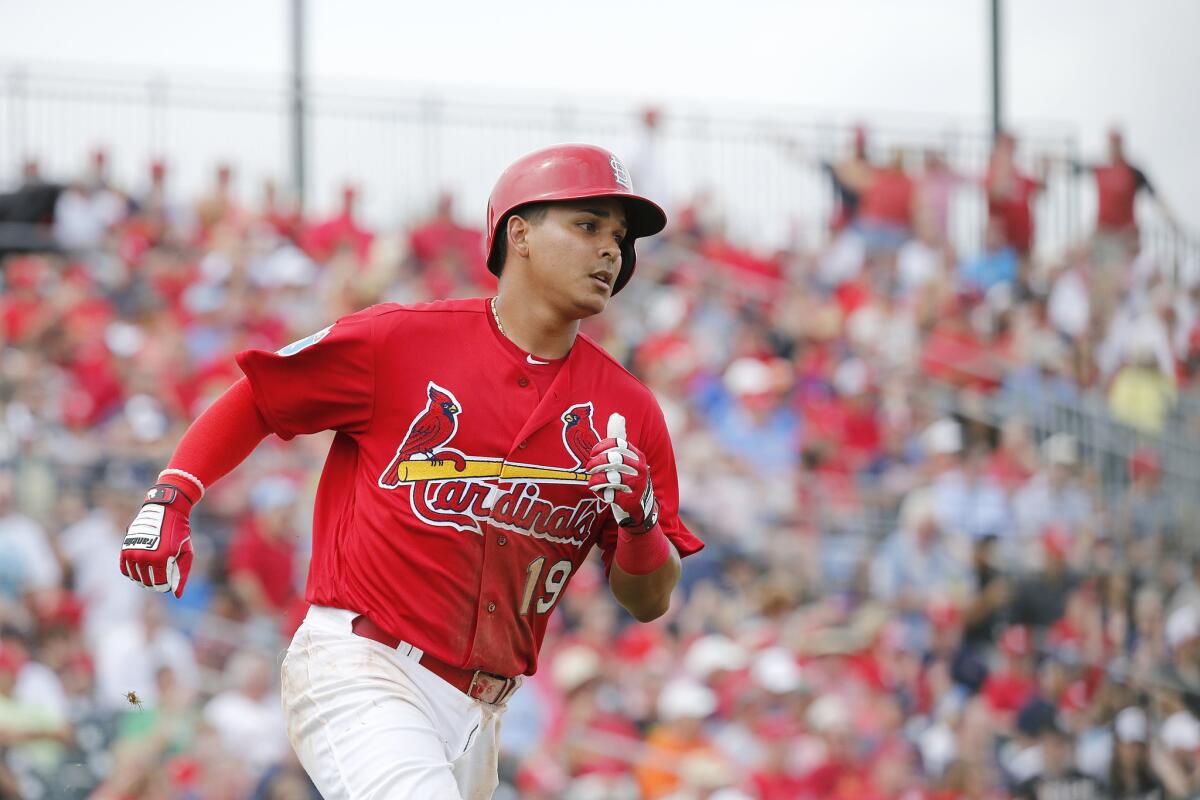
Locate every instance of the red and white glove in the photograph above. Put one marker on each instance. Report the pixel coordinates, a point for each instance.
(157, 551)
(620, 475)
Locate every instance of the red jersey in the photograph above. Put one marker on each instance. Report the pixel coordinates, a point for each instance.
(1117, 186)
(269, 560)
(888, 200)
(1014, 207)
(1008, 691)
(453, 508)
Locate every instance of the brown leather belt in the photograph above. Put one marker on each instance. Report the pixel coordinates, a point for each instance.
(483, 686)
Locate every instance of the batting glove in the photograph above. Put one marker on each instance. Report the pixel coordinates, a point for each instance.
(157, 552)
(620, 476)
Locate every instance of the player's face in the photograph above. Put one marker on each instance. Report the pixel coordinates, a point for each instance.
(575, 253)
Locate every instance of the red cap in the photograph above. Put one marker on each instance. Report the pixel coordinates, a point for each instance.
(571, 172)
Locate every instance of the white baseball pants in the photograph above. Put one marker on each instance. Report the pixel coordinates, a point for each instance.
(369, 723)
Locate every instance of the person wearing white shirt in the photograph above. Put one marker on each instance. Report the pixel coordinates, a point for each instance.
(27, 561)
(129, 658)
(247, 716)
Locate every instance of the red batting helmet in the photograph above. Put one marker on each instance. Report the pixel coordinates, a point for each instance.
(571, 172)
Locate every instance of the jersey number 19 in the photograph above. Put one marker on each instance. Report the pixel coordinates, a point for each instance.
(556, 579)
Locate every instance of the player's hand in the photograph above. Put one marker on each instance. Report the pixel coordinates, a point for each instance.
(620, 476)
(157, 552)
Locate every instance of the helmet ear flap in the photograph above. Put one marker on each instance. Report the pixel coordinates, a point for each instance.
(628, 258)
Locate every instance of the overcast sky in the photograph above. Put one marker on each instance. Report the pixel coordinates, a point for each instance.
(1086, 63)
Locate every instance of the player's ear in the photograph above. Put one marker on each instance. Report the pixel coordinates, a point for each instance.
(518, 230)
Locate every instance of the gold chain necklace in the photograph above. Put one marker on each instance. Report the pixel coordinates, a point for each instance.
(496, 317)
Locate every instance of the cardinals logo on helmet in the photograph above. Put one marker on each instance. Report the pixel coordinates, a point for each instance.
(620, 174)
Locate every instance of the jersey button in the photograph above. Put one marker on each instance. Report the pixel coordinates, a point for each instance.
(502, 540)
(523, 444)
(491, 608)
(522, 381)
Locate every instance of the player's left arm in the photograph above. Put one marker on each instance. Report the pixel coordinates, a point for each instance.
(646, 565)
(646, 597)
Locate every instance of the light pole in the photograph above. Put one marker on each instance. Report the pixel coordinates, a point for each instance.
(298, 117)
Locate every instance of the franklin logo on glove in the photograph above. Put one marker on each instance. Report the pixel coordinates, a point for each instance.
(157, 551)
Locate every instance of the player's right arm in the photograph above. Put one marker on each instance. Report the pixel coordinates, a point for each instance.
(157, 551)
(325, 381)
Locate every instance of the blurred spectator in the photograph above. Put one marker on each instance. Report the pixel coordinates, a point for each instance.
(247, 716)
(935, 191)
(1055, 497)
(87, 210)
(748, 417)
(1180, 737)
(27, 560)
(921, 259)
(1132, 776)
(31, 732)
(1009, 689)
(1010, 195)
(589, 726)
(683, 707)
(220, 207)
(129, 656)
(262, 553)
(1146, 517)
(1117, 185)
(996, 265)
(916, 563)
(1058, 777)
(1183, 641)
(969, 502)
(1188, 594)
(849, 177)
(1038, 387)
(281, 216)
(109, 602)
(1040, 598)
(450, 254)
(990, 598)
(1141, 394)
(885, 216)
(341, 232)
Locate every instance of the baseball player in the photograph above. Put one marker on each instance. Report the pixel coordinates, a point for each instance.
(467, 482)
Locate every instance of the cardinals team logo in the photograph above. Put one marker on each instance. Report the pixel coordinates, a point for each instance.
(579, 435)
(450, 488)
(620, 174)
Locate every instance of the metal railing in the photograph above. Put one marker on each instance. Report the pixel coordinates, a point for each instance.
(1173, 253)
(1105, 445)
(763, 167)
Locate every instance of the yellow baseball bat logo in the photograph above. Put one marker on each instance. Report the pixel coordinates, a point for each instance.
(418, 471)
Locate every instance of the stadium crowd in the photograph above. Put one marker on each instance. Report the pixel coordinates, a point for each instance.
(915, 586)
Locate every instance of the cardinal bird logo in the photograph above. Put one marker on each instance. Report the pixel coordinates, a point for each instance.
(578, 434)
(469, 491)
(433, 428)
